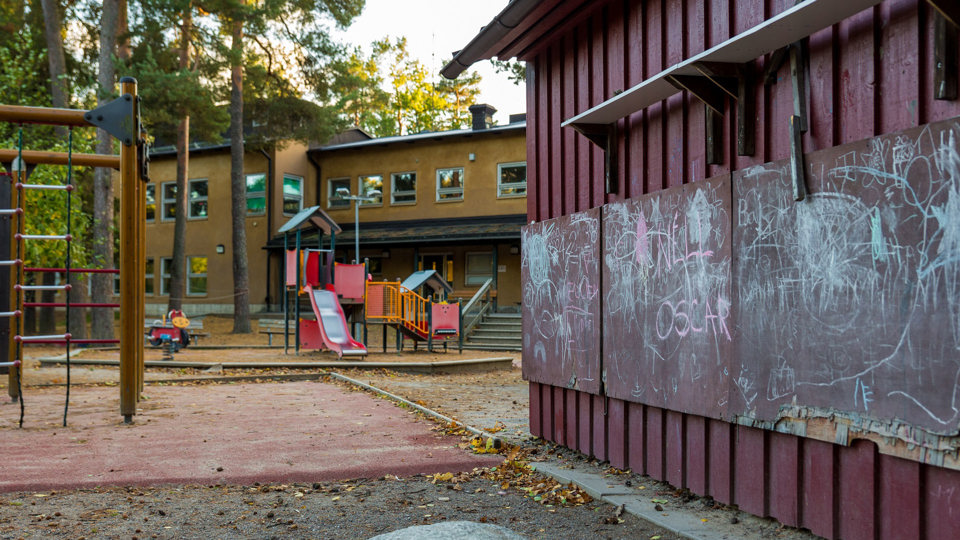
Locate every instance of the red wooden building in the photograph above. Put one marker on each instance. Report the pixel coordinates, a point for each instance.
(742, 269)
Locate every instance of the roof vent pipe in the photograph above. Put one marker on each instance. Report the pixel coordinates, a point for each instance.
(482, 116)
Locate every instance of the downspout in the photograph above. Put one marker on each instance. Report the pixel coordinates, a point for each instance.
(269, 205)
(316, 168)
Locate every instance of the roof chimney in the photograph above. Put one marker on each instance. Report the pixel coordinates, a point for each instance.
(482, 116)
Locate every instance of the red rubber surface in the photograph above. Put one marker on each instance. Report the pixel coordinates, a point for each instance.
(290, 432)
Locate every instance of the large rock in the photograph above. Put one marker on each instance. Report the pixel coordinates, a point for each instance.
(452, 530)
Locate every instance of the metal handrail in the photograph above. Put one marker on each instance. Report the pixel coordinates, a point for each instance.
(482, 293)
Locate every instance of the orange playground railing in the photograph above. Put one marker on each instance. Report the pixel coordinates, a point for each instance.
(391, 303)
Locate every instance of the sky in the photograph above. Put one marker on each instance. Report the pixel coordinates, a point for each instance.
(434, 29)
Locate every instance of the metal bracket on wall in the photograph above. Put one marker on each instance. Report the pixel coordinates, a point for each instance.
(736, 81)
(604, 136)
(797, 168)
(945, 50)
(116, 118)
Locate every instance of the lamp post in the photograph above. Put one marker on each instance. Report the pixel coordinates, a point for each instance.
(344, 195)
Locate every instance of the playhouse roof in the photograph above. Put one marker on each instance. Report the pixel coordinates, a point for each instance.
(314, 217)
(430, 278)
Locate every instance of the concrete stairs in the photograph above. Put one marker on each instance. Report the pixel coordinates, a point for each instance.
(496, 332)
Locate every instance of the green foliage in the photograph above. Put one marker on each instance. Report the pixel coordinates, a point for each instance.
(390, 93)
(516, 71)
(45, 211)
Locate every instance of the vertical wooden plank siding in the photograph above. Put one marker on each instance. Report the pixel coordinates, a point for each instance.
(697, 454)
(868, 75)
(617, 433)
(675, 446)
(635, 438)
(536, 411)
(818, 502)
(899, 509)
(941, 502)
(857, 474)
(785, 475)
(571, 184)
(750, 488)
(571, 420)
(720, 473)
(585, 423)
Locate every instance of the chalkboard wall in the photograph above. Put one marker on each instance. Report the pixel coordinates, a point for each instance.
(726, 298)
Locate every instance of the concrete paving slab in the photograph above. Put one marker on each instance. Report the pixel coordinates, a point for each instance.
(218, 434)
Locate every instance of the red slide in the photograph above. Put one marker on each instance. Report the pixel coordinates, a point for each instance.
(331, 324)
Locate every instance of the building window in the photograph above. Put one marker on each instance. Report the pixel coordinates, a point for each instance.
(196, 276)
(371, 186)
(148, 277)
(166, 264)
(333, 198)
(168, 201)
(512, 179)
(292, 194)
(479, 268)
(375, 266)
(403, 188)
(151, 202)
(450, 184)
(198, 199)
(256, 194)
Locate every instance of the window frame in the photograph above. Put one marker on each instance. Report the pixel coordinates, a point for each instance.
(164, 202)
(148, 276)
(299, 179)
(332, 193)
(191, 275)
(470, 279)
(165, 266)
(151, 187)
(501, 186)
(255, 194)
(394, 191)
(363, 191)
(191, 199)
(441, 191)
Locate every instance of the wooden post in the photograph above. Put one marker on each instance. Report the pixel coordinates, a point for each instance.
(131, 328)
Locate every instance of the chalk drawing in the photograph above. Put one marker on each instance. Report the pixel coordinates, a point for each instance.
(561, 294)
(666, 294)
(855, 290)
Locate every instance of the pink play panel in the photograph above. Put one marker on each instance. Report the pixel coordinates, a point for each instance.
(290, 432)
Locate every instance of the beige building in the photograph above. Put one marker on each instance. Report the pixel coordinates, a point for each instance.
(453, 201)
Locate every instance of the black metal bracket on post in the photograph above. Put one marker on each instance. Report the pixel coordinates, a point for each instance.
(946, 20)
(116, 118)
(797, 169)
(604, 136)
(736, 81)
(798, 78)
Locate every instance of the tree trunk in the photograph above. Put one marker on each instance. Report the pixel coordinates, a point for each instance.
(178, 271)
(58, 94)
(241, 289)
(46, 316)
(103, 230)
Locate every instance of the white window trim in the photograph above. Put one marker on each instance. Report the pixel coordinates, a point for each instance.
(149, 276)
(332, 194)
(191, 199)
(466, 268)
(445, 191)
(256, 194)
(190, 275)
(163, 286)
(283, 194)
(164, 200)
(365, 204)
(156, 207)
(500, 167)
(394, 192)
